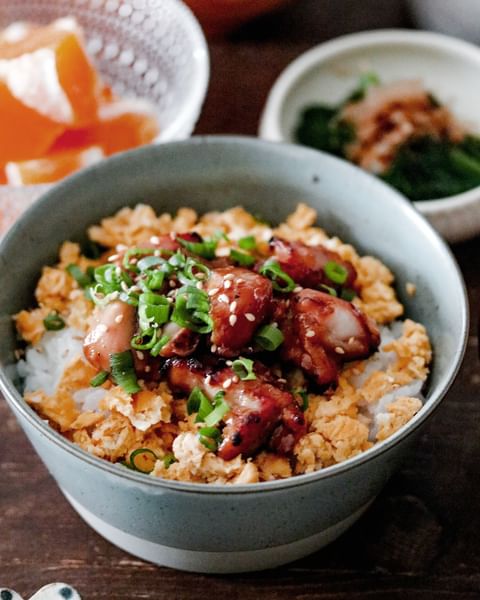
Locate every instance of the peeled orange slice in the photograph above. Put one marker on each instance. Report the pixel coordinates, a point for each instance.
(122, 124)
(51, 168)
(49, 71)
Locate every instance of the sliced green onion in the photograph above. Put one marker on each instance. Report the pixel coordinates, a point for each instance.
(83, 279)
(123, 373)
(205, 249)
(153, 280)
(210, 432)
(328, 289)
(273, 271)
(210, 444)
(243, 367)
(177, 260)
(150, 261)
(335, 272)
(99, 379)
(269, 337)
(193, 402)
(191, 310)
(204, 409)
(152, 309)
(110, 278)
(53, 322)
(143, 460)
(347, 294)
(217, 414)
(247, 243)
(304, 396)
(193, 272)
(134, 253)
(144, 340)
(241, 258)
(156, 348)
(168, 460)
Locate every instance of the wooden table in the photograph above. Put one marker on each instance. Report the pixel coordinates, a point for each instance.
(420, 539)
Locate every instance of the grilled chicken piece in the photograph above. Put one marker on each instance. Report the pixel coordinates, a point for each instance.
(305, 264)
(261, 411)
(111, 333)
(322, 332)
(182, 342)
(240, 300)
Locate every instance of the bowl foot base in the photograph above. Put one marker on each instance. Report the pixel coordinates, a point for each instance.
(214, 562)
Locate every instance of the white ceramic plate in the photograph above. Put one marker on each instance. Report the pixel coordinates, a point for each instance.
(450, 69)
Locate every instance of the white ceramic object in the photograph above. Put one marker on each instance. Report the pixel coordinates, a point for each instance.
(450, 68)
(150, 49)
(460, 18)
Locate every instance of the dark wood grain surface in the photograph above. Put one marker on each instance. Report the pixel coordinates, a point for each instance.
(421, 537)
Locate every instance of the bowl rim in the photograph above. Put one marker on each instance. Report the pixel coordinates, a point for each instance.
(184, 123)
(270, 120)
(21, 408)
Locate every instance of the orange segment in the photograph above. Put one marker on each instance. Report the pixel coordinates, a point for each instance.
(122, 125)
(62, 83)
(24, 133)
(53, 167)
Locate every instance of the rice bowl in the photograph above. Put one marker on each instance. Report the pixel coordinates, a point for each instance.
(208, 528)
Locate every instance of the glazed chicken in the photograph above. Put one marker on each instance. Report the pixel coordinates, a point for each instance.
(240, 300)
(322, 332)
(261, 411)
(306, 264)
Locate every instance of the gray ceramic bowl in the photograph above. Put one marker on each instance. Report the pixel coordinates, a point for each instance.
(228, 529)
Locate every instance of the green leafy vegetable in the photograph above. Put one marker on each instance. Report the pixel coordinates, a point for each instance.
(280, 280)
(83, 279)
(242, 258)
(269, 337)
(99, 379)
(123, 373)
(243, 368)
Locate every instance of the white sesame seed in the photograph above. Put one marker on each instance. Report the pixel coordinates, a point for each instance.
(213, 291)
(274, 324)
(118, 271)
(351, 340)
(240, 280)
(169, 299)
(118, 318)
(227, 284)
(113, 257)
(173, 236)
(339, 350)
(213, 348)
(133, 261)
(148, 369)
(310, 333)
(154, 239)
(229, 363)
(235, 379)
(141, 382)
(232, 320)
(135, 288)
(250, 317)
(124, 287)
(157, 253)
(101, 328)
(223, 298)
(298, 289)
(171, 283)
(199, 285)
(229, 276)
(233, 306)
(200, 275)
(207, 379)
(140, 355)
(281, 380)
(120, 247)
(227, 383)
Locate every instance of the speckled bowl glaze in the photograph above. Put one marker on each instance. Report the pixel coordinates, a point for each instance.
(449, 67)
(225, 529)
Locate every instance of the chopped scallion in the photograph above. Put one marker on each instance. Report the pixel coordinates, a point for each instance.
(280, 280)
(347, 294)
(123, 372)
(335, 272)
(83, 279)
(328, 289)
(168, 460)
(205, 249)
(241, 258)
(99, 379)
(153, 309)
(269, 337)
(143, 460)
(243, 368)
(53, 322)
(193, 402)
(247, 243)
